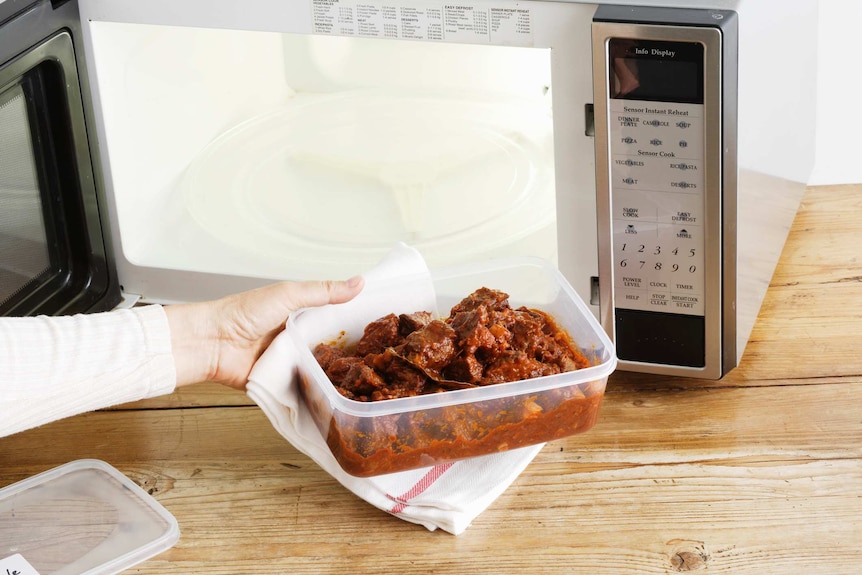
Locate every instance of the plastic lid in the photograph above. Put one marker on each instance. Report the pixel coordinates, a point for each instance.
(84, 517)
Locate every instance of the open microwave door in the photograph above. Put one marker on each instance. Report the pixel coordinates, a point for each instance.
(279, 148)
(54, 256)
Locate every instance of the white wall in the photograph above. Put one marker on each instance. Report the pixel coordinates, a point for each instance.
(839, 94)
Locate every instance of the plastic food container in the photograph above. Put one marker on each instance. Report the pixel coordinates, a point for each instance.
(84, 517)
(374, 438)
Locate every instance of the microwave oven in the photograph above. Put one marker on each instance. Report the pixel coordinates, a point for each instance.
(656, 151)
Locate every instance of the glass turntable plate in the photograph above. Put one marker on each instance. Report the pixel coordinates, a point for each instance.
(358, 171)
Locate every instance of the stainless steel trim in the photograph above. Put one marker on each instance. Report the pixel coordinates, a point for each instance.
(59, 49)
(43, 35)
(10, 9)
(732, 347)
(715, 289)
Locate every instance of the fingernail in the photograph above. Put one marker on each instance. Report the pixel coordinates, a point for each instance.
(354, 281)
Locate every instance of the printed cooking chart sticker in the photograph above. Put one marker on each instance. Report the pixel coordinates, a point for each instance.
(504, 23)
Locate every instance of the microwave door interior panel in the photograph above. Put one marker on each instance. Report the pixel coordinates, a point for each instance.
(285, 145)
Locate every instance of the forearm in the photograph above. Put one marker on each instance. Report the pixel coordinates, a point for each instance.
(55, 367)
(193, 329)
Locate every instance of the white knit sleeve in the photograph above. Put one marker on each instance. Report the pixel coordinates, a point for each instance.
(55, 367)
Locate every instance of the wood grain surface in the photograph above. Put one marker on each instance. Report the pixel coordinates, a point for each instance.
(760, 472)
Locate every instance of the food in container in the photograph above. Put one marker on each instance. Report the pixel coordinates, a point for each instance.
(483, 341)
(396, 434)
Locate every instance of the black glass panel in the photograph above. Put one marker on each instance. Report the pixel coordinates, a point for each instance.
(656, 71)
(662, 338)
(24, 253)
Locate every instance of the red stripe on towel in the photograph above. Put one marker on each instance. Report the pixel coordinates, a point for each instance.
(427, 480)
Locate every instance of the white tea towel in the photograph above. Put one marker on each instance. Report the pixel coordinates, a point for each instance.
(447, 496)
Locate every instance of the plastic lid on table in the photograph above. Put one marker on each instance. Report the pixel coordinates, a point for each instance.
(84, 517)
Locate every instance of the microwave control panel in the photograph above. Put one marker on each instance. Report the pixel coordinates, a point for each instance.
(657, 184)
(657, 162)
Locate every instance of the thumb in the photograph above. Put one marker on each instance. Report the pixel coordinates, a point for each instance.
(317, 293)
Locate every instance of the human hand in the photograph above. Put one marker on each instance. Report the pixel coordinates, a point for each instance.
(221, 340)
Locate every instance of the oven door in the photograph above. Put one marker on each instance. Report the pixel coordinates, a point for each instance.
(53, 253)
(279, 147)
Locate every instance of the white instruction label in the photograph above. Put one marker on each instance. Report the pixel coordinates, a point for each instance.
(504, 23)
(16, 565)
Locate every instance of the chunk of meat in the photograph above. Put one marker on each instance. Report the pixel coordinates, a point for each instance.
(432, 347)
(325, 354)
(516, 366)
(379, 335)
(494, 300)
(527, 332)
(402, 378)
(472, 329)
(465, 368)
(361, 381)
(410, 322)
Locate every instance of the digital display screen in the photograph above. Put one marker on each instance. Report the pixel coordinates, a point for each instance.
(656, 71)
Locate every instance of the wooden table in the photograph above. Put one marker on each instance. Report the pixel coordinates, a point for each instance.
(760, 472)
